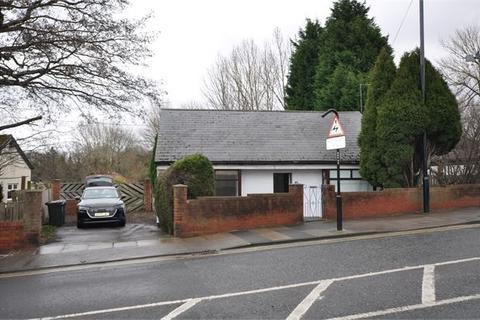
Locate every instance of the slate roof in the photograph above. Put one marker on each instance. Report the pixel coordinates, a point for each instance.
(253, 137)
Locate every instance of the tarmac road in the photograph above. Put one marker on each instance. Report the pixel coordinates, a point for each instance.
(419, 275)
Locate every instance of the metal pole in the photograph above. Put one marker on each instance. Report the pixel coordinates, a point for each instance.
(339, 196)
(426, 179)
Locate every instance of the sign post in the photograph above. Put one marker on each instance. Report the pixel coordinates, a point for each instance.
(336, 141)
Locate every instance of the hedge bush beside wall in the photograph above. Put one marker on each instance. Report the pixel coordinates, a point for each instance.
(195, 171)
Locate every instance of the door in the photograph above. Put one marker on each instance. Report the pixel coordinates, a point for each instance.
(281, 182)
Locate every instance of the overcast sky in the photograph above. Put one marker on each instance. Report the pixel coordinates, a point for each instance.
(193, 33)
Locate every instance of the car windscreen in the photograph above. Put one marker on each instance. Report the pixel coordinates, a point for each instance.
(100, 193)
(99, 182)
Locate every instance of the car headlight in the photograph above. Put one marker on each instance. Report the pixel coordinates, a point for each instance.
(120, 206)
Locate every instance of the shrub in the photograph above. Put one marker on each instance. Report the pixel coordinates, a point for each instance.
(195, 171)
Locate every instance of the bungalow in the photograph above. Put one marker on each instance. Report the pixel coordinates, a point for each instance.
(15, 168)
(263, 151)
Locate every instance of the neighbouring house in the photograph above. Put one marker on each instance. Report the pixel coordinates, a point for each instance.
(263, 151)
(15, 168)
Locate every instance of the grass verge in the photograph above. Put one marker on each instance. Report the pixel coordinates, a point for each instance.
(48, 233)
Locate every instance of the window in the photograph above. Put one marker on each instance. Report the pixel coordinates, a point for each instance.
(227, 183)
(346, 174)
(10, 188)
(100, 193)
(281, 182)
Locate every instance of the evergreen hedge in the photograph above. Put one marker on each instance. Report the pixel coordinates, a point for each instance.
(195, 171)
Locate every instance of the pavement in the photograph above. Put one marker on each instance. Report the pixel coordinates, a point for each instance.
(139, 240)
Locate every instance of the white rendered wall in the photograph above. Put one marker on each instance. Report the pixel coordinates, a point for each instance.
(13, 173)
(261, 181)
(352, 185)
(309, 178)
(257, 181)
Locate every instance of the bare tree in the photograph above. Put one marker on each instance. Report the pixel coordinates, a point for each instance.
(462, 164)
(152, 125)
(109, 149)
(251, 78)
(59, 55)
(461, 75)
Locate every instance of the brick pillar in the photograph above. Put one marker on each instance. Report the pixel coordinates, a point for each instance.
(179, 206)
(56, 189)
(32, 215)
(329, 202)
(147, 195)
(296, 190)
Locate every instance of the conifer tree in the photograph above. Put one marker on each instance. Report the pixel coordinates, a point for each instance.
(403, 118)
(379, 81)
(299, 90)
(351, 39)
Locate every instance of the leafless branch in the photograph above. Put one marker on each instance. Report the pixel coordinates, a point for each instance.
(251, 78)
(61, 55)
(20, 123)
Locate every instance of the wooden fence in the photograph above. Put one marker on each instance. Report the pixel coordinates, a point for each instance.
(11, 211)
(132, 194)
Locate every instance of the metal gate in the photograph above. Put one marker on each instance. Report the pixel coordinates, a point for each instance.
(312, 203)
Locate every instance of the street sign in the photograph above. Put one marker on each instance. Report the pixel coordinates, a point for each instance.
(336, 136)
(336, 143)
(336, 128)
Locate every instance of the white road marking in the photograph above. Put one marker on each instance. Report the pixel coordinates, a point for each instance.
(295, 285)
(428, 284)
(89, 313)
(407, 308)
(309, 300)
(184, 307)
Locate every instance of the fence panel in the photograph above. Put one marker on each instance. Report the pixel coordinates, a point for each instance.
(132, 195)
(11, 211)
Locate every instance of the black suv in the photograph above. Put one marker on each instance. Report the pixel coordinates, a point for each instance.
(101, 205)
(98, 180)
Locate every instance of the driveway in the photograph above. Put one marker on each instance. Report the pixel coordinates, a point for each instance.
(140, 230)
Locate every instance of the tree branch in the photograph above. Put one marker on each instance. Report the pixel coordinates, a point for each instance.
(21, 123)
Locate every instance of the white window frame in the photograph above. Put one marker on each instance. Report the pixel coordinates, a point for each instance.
(11, 187)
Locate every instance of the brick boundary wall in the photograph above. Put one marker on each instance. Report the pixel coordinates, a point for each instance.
(56, 188)
(71, 211)
(147, 195)
(390, 202)
(26, 232)
(208, 215)
(12, 236)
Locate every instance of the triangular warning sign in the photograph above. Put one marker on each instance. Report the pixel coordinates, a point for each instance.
(336, 129)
